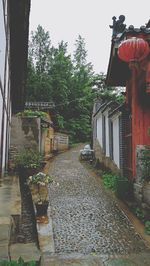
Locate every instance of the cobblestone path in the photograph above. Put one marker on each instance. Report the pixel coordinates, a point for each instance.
(86, 218)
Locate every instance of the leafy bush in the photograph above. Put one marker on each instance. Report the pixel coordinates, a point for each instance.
(147, 227)
(20, 262)
(120, 185)
(110, 181)
(29, 158)
(29, 113)
(139, 213)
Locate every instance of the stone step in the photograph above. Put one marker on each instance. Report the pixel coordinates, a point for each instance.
(4, 237)
(71, 260)
(28, 252)
(141, 259)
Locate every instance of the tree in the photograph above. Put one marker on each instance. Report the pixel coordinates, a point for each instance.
(39, 49)
(60, 73)
(81, 96)
(54, 76)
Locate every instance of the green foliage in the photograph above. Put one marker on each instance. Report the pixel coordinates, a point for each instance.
(120, 185)
(29, 158)
(20, 262)
(40, 179)
(28, 113)
(147, 227)
(53, 75)
(110, 181)
(142, 217)
(60, 121)
(104, 92)
(139, 213)
(39, 49)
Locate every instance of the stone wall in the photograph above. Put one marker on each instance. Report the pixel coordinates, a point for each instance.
(142, 180)
(25, 133)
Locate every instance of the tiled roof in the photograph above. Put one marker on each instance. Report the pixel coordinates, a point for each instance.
(117, 109)
(111, 104)
(142, 29)
(118, 71)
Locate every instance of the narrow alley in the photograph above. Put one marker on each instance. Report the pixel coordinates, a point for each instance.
(87, 220)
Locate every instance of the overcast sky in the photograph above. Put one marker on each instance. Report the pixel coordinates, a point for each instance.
(66, 19)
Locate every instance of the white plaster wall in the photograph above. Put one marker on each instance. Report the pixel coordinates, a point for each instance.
(4, 76)
(4, 142)
(2, 44)
(116, 141)
(99, 128)
(107, 132)
(2, 57)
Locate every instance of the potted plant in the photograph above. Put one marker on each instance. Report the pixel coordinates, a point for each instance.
(28, 162)
(39, 188)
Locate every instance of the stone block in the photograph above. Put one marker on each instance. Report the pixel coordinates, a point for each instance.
(138, 192)
(4, 252)
(27, 252)
(146, 193)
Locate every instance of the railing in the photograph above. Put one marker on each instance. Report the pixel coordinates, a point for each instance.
(40, 105)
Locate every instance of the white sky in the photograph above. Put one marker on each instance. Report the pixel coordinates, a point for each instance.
(66, 19)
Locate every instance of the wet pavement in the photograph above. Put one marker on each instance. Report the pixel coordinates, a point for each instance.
(11, 210)
(87, 219)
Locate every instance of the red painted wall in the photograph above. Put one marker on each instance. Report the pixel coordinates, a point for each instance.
(139, 102)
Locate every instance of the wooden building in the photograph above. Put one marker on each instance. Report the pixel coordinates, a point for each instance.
(14, 27)
(132, 70)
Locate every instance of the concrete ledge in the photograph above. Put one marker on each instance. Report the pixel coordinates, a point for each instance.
(10, 199)
(27, 252)
(10, 203)
(4, 252)
(72, 260)
(45, 235)
(44, 226)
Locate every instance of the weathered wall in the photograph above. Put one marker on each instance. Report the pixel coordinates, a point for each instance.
(25, 133)
(142, 181)
(48, 140)
(105, 162)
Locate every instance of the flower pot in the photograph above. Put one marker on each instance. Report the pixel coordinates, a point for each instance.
(41, 208)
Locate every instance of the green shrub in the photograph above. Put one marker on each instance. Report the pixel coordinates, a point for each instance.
(139, 213)
(29, 158)
(20, 262)
(32, 113)
(147, 227)
(120, 185)
(110, 181)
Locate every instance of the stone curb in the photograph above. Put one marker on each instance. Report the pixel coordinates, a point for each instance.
(10, 204)
(45, 235)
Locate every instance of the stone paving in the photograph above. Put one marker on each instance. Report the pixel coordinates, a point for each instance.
(86, 218)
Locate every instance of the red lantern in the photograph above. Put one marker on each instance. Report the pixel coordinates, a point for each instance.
(133, 49)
